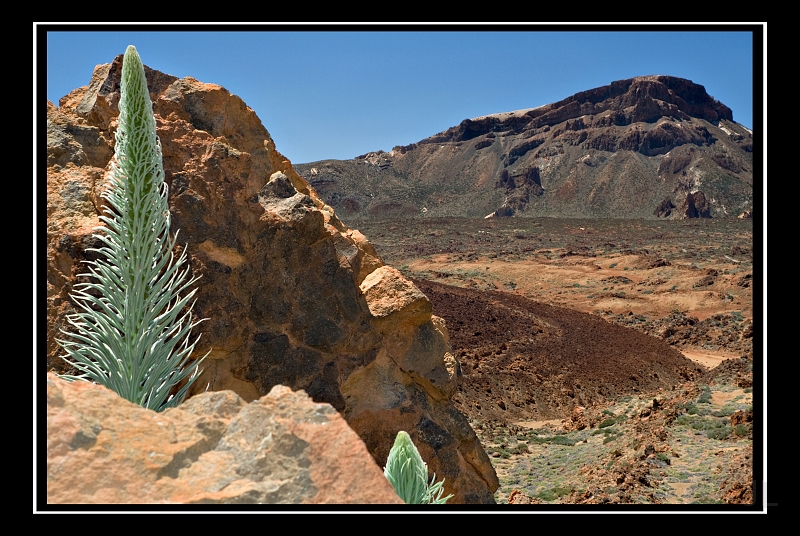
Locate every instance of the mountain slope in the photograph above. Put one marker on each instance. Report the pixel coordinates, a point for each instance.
(646, 147)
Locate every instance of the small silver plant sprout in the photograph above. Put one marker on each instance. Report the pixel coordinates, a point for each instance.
(408, 474)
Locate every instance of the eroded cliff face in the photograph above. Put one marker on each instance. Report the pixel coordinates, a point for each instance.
(292, 295)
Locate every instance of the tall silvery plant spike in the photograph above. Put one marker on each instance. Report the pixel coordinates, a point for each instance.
(132, 333)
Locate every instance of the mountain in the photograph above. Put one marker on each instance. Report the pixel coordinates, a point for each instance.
(646, 147)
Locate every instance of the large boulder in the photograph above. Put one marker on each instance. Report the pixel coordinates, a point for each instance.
(291, 294)
(213, 449)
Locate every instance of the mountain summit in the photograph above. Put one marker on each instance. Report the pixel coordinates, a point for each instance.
(646, 147)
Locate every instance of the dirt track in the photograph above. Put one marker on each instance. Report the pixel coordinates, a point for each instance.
(707, 360)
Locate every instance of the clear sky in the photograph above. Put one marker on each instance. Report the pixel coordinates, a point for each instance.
(339, 92)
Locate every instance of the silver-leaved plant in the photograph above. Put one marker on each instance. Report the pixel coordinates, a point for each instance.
(132, 332)
(408, 474)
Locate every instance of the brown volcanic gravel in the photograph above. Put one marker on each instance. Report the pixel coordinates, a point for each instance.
(522, 360)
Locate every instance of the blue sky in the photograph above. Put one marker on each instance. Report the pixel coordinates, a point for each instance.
(339, 94)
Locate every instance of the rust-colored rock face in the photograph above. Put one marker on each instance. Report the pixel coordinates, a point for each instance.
(290, 293)
(213, 449)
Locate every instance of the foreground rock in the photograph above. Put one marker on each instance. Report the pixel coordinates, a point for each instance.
(214, 449)
(291, 294)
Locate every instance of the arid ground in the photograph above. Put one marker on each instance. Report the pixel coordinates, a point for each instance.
(573, 338)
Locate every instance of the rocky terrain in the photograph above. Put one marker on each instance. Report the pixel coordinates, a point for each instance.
(570, 332)
(689, 281)
(646, 147)
(293, 297)
(523, 360)
(569, 426)
(692, 446)
(478, 336)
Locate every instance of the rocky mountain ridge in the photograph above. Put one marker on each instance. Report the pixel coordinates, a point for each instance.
(646, 147)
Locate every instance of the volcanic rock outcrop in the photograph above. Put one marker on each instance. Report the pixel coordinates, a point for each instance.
(292, 296)
(523, 360)
(616, 151)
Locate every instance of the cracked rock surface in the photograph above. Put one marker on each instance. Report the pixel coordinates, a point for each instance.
(213, 449)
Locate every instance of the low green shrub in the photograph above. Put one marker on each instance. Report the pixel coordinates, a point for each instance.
(547, 495)
(715, 428)
(562, 440)
(560, 491)
(719, 433)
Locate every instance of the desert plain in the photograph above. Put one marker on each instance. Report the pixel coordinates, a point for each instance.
(562, 327)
